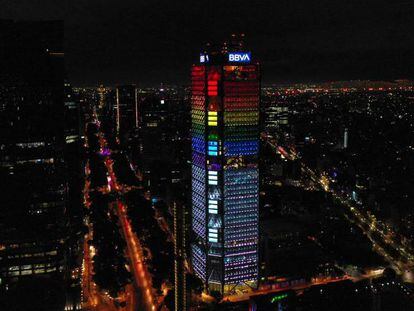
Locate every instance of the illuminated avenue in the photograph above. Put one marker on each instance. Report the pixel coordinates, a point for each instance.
(142, 279)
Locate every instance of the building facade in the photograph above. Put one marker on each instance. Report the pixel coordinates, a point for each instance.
(33, 223)
(180, 285)
(225, 176)
(163, 153)
(276, 116)
(126, 108)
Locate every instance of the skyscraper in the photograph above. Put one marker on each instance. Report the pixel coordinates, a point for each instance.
(180, 286)
(32, 139)
(345, 143)
(126, 110)
(275, 115)
(162, 152)
(74, 206)
(225, 176)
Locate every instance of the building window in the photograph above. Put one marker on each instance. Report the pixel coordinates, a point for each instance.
(212, 118)
(213, 235)
(212, 148)
(212, 177)
(213, 206)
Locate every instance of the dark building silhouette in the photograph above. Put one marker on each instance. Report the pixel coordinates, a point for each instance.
(126, 110)
(161, 139)
(73, 157)
(33, 222)
(180, 243)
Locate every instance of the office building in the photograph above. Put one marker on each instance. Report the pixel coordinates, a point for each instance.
(276, 112)
(126, 107)
(180, 286)
(163, 151)
(32, 140)
(225, 177)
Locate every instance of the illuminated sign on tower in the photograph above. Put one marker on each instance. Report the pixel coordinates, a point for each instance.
(225, 176)
(239, 57)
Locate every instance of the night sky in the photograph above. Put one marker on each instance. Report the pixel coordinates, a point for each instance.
(152, 41)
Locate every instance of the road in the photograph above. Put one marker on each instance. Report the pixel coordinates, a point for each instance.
(135, 254)
(92, 297)
(142, 278)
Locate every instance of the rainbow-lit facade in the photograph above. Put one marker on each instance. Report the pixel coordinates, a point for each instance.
(225, 176)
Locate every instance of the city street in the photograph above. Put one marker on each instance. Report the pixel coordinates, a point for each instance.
(142, 278)
(92, 297)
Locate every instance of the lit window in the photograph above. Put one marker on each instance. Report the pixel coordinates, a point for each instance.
(213, 206)
(212, 118)
(213, 148)
(212, 235)
(212, 177)
(26, 272)
(212, 88)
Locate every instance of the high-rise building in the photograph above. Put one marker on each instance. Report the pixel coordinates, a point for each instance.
(32, 141)
(126, 106)
(74, 208)
(73, 125)
(180, 286)
(102, 94)
(225, 176)
(276, 116)
(275, 110)
(163, 150)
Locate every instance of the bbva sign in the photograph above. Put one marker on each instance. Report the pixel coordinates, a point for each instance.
(204, 58)
(240, 57)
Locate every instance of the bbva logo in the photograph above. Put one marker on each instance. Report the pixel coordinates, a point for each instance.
(239, 57)
(204, 58)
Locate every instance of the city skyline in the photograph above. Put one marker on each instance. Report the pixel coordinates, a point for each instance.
(207, 156)
(152, 42)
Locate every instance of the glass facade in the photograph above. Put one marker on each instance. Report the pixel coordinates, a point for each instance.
(38, 125)
(225, 176)
(126, 110)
